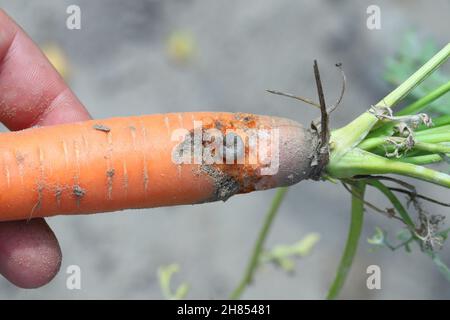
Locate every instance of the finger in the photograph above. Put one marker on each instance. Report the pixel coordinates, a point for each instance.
(31, 93)
(29, 253)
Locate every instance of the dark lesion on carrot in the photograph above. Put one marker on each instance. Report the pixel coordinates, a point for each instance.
(58, 194)
(20, 158)
(225, 184)
(78, 192)
(218, 124)
(101, 127)
(40, 190)
(246, 120)
(237, 177)
(110, 173)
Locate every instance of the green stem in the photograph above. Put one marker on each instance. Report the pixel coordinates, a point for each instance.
(432, 147)
(428, 131)
(432, 137)
(360, 162)
(419, 149)
(349, 136)
(417, 106)
(254, 260)
(354, 234)
(394, 200)
(423, 160)
(422, 103)
(443, 268)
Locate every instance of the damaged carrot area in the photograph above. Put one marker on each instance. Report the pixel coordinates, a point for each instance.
(229, 167)
(229, 151)
(242, 153)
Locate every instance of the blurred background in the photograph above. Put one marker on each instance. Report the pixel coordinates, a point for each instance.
(142, 57)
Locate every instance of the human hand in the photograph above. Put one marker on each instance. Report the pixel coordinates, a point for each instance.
(31, 93)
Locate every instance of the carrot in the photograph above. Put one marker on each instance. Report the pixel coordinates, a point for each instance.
(147, 161)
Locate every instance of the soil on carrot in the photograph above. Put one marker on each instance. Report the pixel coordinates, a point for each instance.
(226, 185)
(101, 127)
(110, 173)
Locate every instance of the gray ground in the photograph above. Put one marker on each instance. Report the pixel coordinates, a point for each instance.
(120, 67)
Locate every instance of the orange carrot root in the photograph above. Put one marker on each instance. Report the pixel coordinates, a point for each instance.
(147, 161)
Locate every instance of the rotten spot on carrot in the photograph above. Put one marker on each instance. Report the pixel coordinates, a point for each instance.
(101, 127)
(145, 174)
(78, 192)
(20, 157)
(110, 173)
(225, 185)
(125, 179)
(58, 194)
(225, 159)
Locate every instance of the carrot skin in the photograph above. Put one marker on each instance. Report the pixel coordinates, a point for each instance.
(121, 163)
